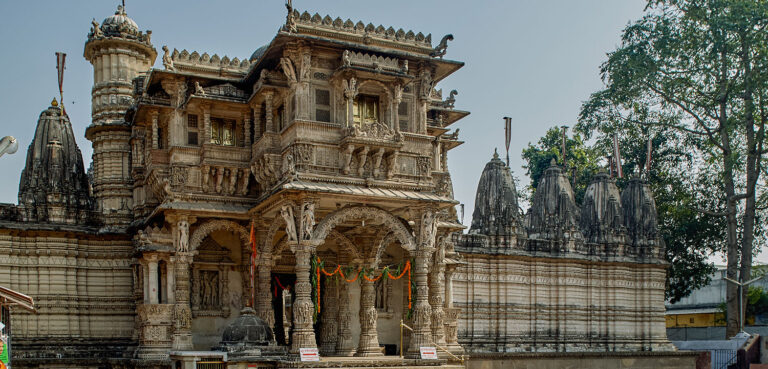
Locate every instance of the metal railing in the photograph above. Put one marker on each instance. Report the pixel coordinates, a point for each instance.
(211, 365)
(403, 325)
(721, 359)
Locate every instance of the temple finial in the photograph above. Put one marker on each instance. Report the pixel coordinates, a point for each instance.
(495, 153)
(54, 102)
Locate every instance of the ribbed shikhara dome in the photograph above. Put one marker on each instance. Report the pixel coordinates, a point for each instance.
(640, 214)
(53, 186)
(496, 209)
(553, 209)
(602, 218)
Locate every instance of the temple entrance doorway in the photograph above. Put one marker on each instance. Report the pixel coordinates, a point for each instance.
(282, 305)
(362, 260)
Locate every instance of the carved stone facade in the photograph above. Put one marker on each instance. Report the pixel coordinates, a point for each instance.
(334, 152)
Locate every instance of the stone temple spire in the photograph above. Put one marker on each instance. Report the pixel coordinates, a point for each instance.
(53, 186)
(602, 218)
(554, 213)
(640, 215)
(496, 209)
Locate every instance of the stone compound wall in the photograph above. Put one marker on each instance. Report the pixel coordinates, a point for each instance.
(83, 290)
(516, 303)
(636, 360)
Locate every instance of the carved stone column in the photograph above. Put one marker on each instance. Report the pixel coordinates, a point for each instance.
(436, 293)
(182, 314)
(344, 344)
(369, 337)
(152, 265)
(247, 128)
(396, 100)
(177, 90)
(155, 129)
(264, 295)
(145, 281)
(257, 122)
(422, 311)
(302, 87)
(268, 111)
(206, 123)
(329, 330)
(350, 93)
(303, 334)
(451, 314)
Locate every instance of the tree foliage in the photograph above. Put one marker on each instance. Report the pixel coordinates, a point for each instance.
(581, 160)
(694, 73)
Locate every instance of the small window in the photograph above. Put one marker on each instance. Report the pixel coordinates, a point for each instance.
(402, 114)
(323, 105)
(691, 320)
(366, 109)
(192, 130)
(222, 132)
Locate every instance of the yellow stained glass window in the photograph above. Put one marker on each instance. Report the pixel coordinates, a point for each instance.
(366, 109)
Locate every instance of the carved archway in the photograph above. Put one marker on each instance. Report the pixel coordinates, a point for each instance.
(390, 222)
(346, 244)
(213, 225)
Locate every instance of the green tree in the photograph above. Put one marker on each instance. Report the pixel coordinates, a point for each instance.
(699, 68)
(581, 160)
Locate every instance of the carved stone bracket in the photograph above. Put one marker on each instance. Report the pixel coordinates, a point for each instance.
(266, 169)
(224, 180)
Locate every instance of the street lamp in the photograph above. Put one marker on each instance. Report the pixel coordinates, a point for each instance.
(741, 300)
(8, 145)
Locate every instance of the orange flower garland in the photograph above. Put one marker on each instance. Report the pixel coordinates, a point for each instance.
(321, 269)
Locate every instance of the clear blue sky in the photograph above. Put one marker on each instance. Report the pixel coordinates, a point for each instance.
(535, 61)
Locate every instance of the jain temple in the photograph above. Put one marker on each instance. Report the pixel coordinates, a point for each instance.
(238, 211)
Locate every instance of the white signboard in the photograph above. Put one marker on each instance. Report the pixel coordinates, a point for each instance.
(309, 354)
(428, 353)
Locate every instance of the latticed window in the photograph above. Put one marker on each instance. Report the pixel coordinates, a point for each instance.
(366, 109)
(323, 105)
(192, 130)
(222, 132)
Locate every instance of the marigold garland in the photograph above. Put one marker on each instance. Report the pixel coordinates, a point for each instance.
(319, 267)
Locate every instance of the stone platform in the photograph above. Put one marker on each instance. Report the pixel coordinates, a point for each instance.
(385, 362)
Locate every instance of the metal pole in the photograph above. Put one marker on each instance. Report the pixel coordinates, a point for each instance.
(401, 338)
(741, 298)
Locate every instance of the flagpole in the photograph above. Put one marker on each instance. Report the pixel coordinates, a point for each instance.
(565, 128)
(60, 66)
(507, 135)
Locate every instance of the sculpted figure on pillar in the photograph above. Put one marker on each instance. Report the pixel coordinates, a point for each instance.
(182, 235)
(287, 65)
(307, 220)
(290, 222)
